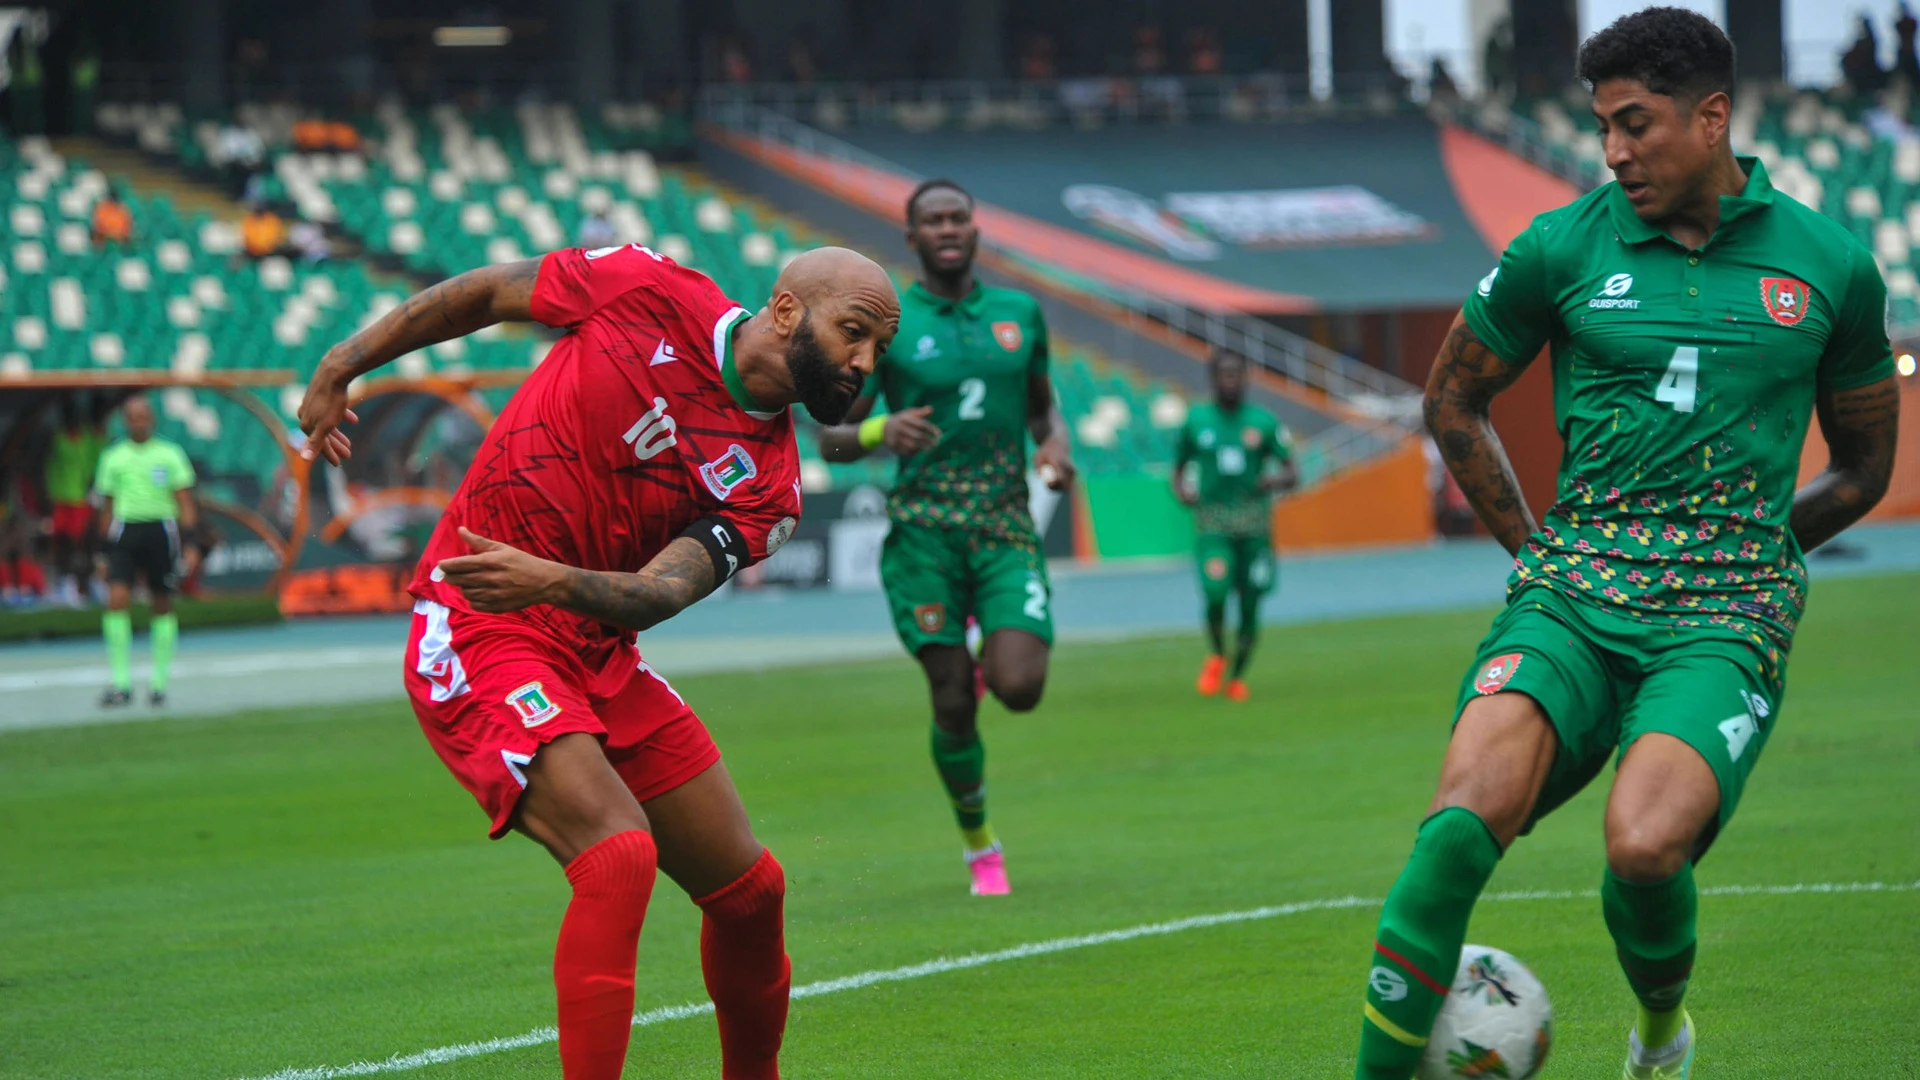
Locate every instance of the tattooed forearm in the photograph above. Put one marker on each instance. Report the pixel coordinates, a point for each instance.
(1860, 427)
(454, 308)
(1460, 391)
(676, 578)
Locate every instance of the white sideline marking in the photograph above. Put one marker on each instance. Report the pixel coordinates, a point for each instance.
(214, 667)
(542, 1036)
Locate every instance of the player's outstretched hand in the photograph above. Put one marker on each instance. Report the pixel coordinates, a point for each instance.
(909, 431)
(1054, 464)
(499, 577)
(321, 412)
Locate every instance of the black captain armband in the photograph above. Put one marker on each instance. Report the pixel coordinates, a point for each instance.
(725, 545)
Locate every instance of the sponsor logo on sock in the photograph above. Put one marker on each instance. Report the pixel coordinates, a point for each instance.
(1387, 984)
(533, 705)
(1493, 678)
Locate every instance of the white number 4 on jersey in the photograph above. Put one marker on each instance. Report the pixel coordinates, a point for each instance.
(1677, 387)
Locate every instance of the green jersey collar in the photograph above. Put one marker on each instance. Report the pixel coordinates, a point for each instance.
(1757, 195)
(969, 303)
(729, 374)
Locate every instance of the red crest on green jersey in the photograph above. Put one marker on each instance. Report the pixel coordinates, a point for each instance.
(931, 618)
(1493, 677)
(1785, 298)
(1008, 335)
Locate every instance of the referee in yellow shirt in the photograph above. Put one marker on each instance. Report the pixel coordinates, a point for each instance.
(144, 483)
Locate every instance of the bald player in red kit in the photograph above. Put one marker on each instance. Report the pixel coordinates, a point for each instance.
(647, 460)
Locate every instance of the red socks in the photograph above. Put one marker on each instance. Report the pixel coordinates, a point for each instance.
(594, 960)
(744, 957)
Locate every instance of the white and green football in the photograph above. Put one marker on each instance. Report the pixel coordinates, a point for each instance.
(1496, 1024)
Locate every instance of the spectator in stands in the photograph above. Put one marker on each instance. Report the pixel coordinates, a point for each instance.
(1496, 60)
(112, 221)
(1860, 64)
(25, 91)
(240, 155)
(262, 232)
(1037, 62)
(1149, 54)
(735, 67)
(72, 456)
(85, 77)
(307, 240)
(1441, 89)
(1905, 64)
(596, 231)
(22, 582)
(1203, 51)
(800, 64)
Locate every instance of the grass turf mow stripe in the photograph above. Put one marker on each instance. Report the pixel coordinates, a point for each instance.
(545, 1035)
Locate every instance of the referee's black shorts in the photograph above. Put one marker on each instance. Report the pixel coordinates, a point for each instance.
(148, 549)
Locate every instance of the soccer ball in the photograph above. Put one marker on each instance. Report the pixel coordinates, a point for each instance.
(1495, 1025)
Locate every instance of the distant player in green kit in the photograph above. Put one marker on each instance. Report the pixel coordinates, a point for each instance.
(1243, 456)
(145, 482)
(1697, 319)
(966, 385)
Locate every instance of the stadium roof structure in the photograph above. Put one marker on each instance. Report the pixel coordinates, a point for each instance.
(1355, 215)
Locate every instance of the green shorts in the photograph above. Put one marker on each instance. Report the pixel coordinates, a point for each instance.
(935, 578)
(1233, 564)
(1604, 680)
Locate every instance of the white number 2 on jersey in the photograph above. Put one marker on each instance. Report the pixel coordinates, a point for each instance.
(1036, 605)
(1677, 386)
(973, 397)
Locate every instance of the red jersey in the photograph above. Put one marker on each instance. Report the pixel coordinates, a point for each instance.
(634, 427)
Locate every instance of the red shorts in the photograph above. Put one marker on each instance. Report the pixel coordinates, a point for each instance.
(72, 521)
(491, 691)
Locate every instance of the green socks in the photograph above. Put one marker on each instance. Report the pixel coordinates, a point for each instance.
(166, 630)
(1249, 632)
(1653, 933)
(962, 761)
(1217, 628)
(1422, 926)
(117, 628)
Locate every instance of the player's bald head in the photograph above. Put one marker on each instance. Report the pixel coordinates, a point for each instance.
(814, 276)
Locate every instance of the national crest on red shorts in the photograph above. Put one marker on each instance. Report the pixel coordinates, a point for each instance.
(1008, 335)
(1785, 298)
(1493, 678)
(533, 705)
(931, 618)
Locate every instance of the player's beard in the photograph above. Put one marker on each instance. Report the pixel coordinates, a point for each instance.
(826, 391)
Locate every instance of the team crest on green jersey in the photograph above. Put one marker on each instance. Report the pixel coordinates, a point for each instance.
(1785, 298)
(1008, 335)
(533, 705)
(1499, 670)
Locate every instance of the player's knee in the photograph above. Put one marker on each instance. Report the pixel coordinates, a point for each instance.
(1019, 692)
(1641, 852)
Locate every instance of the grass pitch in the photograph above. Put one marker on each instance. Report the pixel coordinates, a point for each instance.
(226, 898)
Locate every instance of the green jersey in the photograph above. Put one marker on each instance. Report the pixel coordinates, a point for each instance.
(971, 360)
(1233, 452)
(1683, 382)
(71, 462)
(141, 479)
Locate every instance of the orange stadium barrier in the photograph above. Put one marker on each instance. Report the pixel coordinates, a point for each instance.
(1383, 501)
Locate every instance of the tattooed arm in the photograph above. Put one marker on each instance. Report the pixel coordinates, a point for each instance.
(498, 577)
(1860, 426)
(1460, 391)
(454, 308)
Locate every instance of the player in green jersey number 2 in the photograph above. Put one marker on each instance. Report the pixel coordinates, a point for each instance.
(1243, 456)
(1697, 318)
(966, 384)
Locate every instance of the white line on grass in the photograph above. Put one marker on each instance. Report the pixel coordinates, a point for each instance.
(542, 1036)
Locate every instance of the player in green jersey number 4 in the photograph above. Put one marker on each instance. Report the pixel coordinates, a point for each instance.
(1697, 318)
(1243, 456)
(966, 384)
